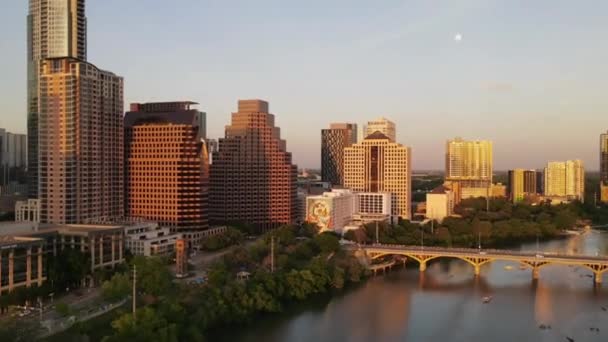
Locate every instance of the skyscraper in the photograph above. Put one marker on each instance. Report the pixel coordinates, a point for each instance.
(469, 163)
(80, 142)
(167, 167)
(333, 142)
(12, 156)
(383, 126)
(55, 28)
(565, 179)
(253, 179)
(378, 164)
(604, 167)
(522, 183)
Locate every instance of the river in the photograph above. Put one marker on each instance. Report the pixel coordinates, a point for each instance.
(445, 304)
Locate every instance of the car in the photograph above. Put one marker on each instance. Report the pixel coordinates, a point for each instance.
(540, 256)
(483, 253)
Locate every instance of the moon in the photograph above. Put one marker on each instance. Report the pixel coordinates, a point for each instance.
(457, 37)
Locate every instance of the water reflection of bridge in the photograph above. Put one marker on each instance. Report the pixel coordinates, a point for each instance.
(478, 257)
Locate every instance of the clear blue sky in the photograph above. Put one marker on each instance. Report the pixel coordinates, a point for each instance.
(532, 76)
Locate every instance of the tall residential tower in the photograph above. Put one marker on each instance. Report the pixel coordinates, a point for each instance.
(253, 179)
(565, 179)
(382, 125)
(80, 142)
(55, 28)
(604, 167)
(469, 164)
(333, 142)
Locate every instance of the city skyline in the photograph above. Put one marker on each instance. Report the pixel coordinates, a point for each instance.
(405, 56)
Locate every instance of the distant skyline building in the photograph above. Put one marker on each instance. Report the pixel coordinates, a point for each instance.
(382, 125)
(13, 156)
(440, 203)
(522, 183)
(378, 164)
(604, 167)
(167, 167)
(55, 28)
(565, 179)
(253, 179)
(469, 163)
(331, 211)
(333, 142)
(80, 142)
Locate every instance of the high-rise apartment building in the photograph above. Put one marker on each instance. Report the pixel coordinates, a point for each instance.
(383, 126)
(469, 163)
(55, 28)
(80, 142)
(333, 142)
(13, 156)
(604, 167)
(253, 179)
(522, 183)
(378, 164)
(565, 179)
(167, 167)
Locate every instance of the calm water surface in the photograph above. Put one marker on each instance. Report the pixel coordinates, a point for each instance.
(445, 304)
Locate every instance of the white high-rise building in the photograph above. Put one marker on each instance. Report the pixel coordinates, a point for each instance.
(469, 163)
(565, 179)
(383, 126)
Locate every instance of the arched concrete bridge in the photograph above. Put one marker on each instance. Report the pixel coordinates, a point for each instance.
(478, 257)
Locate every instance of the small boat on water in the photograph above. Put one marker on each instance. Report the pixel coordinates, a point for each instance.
(486, 299)
(508, 267)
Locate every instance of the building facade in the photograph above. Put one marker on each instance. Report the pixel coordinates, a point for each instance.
(13, 158)
(148, 239)
(565, 179)
(374, 207)
(253, 179)
(27, 211)
(333, 142)
(382, 125)
(439, 203)
(167, 167)
(80, 142)
(55, 28)
(604, 167)
(522, 183)
(21, 263)
(332, 210)
(469, 163)
(378, 164)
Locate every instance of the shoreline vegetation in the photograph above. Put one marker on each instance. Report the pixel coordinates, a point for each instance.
(307, 265)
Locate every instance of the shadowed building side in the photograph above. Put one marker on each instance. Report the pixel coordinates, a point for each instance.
(253, 179)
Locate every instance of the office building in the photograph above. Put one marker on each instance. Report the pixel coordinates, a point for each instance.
(522, 184)
(332, 210)
(604, 167)
(383, 126)
(439, 203)
(333, 142)
(253, 179)
(21, 262)
(55, 28)
(148, 239)
(80, 142)
(378, 164)
(565, 179)
(374, 207)
(167, 167)
(469, 163)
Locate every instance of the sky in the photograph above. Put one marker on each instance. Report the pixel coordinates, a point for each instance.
(532, 76)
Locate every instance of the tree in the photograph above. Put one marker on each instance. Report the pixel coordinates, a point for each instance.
(63, 309)
(327, 242)
(149, 326)
(153, 277)
(118, 287)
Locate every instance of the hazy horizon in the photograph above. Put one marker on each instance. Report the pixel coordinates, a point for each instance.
(530, 76)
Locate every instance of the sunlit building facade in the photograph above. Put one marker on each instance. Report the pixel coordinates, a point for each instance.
(522, 183)
(604, 167)
(167, 167)
(469, 163)
(253, 179)
(382, 125)
(55, 28)
(378, 164)
(80, 142)
(565, 179)
(333, 142)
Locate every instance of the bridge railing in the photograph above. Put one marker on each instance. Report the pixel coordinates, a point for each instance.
(486, 251)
